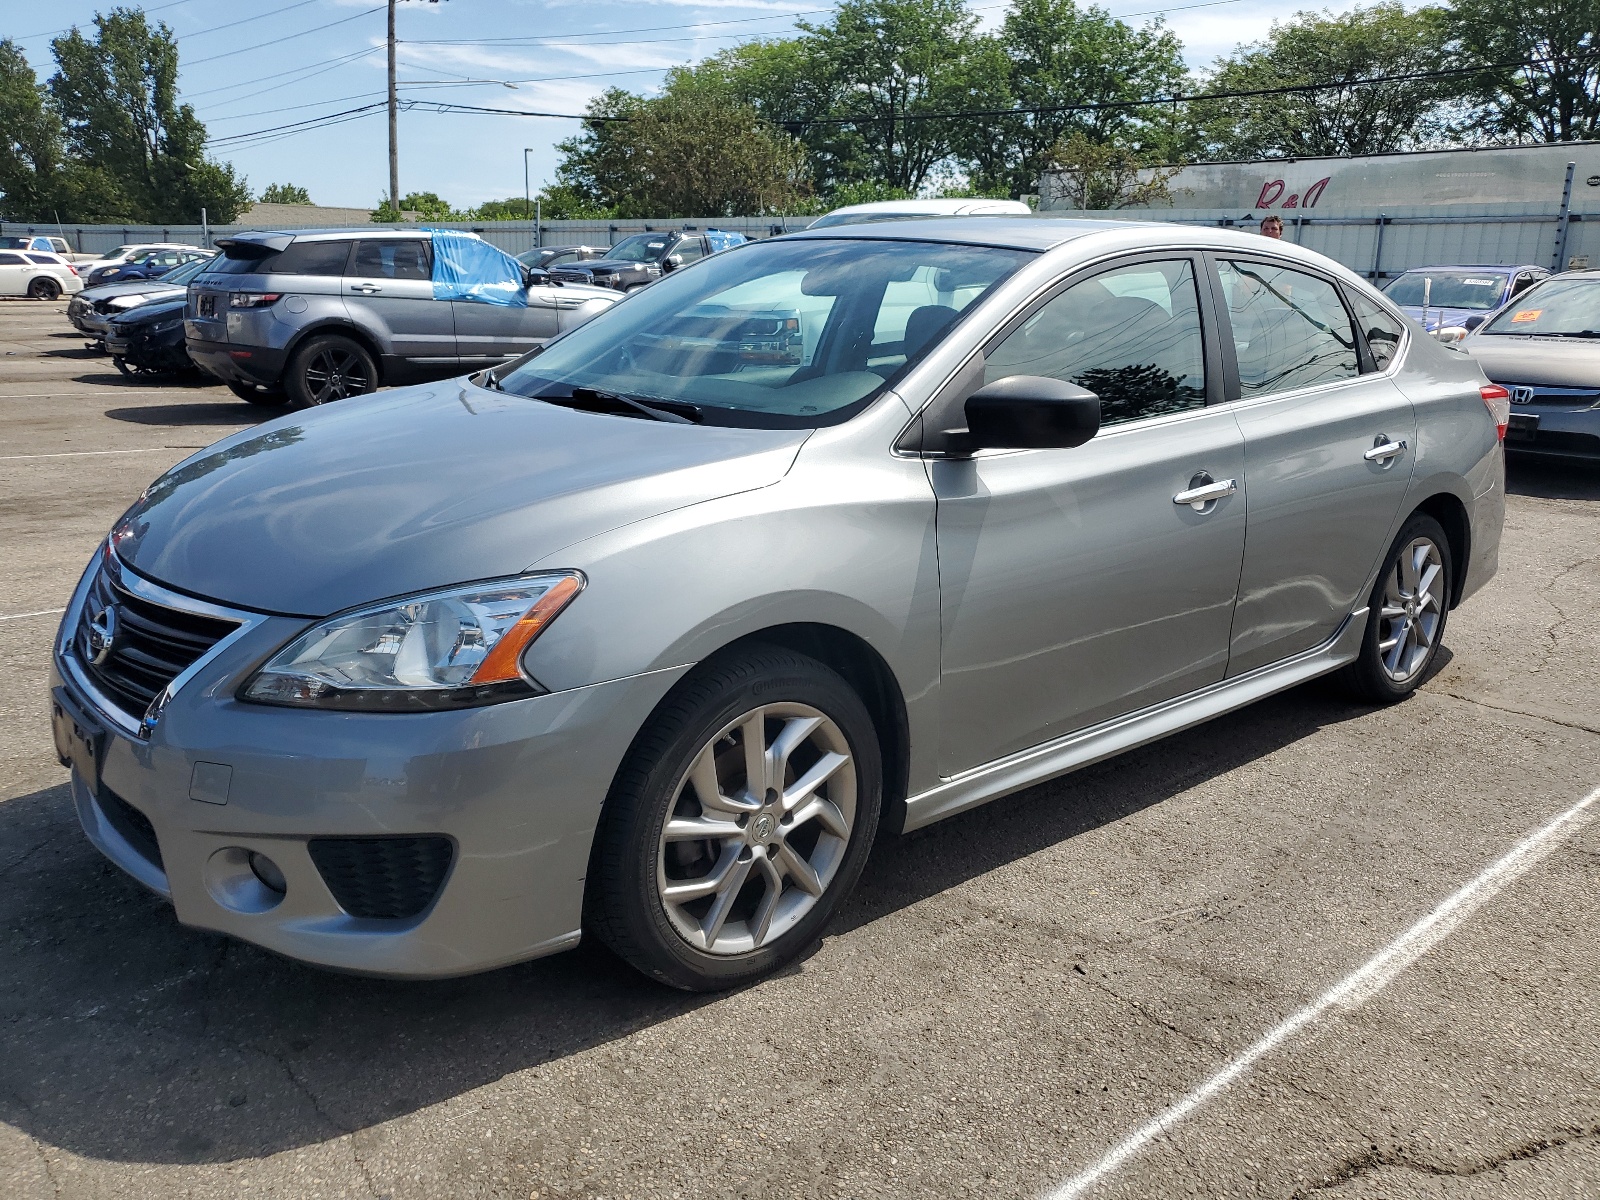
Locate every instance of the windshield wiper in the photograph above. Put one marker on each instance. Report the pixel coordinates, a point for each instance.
(1572, 333)
(492, 381)
(674, 412)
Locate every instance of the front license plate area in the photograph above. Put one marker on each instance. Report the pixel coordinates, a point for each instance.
(1522, 427)
(80, 740)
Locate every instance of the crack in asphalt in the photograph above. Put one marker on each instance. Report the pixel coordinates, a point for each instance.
(37, 1145)
(1518, 712)
(1562, 616)
(1375, 1159)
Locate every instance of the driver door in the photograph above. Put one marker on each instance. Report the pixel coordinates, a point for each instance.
(1073, 587)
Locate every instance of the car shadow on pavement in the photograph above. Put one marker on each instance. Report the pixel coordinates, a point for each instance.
(235, 413)
(1552, 479)
(127, 1037)
(185, 379)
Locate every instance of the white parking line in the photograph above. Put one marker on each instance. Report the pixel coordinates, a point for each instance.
(1352, 991)
(82, 453)
(43, 612)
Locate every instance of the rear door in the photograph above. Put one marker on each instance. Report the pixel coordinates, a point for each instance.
(1329, 442)
(389, 291)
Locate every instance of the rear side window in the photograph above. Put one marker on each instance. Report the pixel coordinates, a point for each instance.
(46, 259)
(308, 258)
(392, 260)
(1290, 330)
(1382, 331)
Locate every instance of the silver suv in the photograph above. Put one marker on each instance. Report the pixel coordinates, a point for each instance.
(311, 316)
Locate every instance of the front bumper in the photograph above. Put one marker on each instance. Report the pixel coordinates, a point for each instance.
(1555, 432)
(516, 788)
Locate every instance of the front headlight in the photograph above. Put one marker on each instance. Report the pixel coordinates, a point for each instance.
(1449, 333)
(450, 649)
(166, 326)
(127, 301)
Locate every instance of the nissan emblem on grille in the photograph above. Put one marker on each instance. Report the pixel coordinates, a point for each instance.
(1522, 395)
(102, 634)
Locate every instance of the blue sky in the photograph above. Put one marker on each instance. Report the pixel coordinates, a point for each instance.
(251, 65)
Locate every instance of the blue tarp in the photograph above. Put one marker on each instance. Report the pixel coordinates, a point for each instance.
(468, 268)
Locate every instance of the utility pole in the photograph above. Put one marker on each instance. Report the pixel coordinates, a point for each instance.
(394, 125)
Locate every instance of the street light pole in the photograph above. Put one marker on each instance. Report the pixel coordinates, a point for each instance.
(527, 192)
(394, 125)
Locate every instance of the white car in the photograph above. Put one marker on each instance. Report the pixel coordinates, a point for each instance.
(901, 210)
(122, 254)
(51, 245)
(34, 273)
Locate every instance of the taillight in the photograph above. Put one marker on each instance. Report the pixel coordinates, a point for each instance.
(72, 268)
(1498, 401)
(252, 299)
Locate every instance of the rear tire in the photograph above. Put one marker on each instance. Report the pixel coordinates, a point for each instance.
(1406, 616)
(44, 288)
(776, 854)
(329, 368)
(251, 394)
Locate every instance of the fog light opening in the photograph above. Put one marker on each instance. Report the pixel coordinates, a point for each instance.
(264, 869)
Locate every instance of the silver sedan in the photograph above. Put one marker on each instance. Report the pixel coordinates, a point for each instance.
(646, 635)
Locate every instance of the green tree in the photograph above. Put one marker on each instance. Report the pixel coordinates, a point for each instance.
(1555, 97)
(1058, 55)
(1352, 117)
(285, 193)
(117, 94)
(886, 65)
(427, 206)
(1091, 174)
(695, 150)
(510, 209)
(31, 171)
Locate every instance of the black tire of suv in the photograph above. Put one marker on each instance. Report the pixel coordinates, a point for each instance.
(44, 288)
(251, 394)
(1365, 680)
(622, 905)
(335, 348)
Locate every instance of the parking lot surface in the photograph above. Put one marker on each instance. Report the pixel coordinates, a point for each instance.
(1007, 998)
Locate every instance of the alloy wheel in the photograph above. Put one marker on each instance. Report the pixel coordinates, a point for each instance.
(758, 828)
(1412, 610)
(334, 374)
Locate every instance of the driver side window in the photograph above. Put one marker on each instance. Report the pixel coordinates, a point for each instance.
(1131, 335)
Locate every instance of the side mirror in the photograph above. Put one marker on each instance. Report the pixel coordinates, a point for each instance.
(1473, 322)
(673, 260)
(538, 277)
(1031, 412)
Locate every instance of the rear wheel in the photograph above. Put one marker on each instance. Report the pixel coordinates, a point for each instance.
(742, 816)
(269, 398)
(329, 368)
(1406, 615)
(44, 288)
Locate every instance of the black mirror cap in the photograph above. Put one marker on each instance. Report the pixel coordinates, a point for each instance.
(1473, 322)
(1031, 412)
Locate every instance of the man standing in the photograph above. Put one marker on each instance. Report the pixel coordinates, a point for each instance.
(1272, 226)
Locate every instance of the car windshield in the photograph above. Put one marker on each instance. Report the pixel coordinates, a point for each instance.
(642, 247)
(1450, 289)
(184, 273)
(1555, 308)
(778, 334)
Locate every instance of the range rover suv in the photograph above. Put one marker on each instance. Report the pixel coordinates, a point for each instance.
(309, 316)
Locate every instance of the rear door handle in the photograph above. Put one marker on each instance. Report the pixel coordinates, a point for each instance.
(365, 288)
(1198, 497)
(1385, 450)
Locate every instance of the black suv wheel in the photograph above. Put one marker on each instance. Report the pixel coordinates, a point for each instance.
(327, 368)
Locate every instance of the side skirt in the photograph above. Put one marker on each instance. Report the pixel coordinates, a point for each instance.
(1102, 741)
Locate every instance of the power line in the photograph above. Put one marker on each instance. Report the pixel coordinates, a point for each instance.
(290, 37)
(54, 32)
(245, 20)
(326, 64)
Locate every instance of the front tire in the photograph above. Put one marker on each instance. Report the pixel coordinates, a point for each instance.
(254, 395)
(329, 368)
(741, 817)
(1406, 615)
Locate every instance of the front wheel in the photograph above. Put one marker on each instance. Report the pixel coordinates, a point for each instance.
(1406, 615)
(329, 368)
(741, 817)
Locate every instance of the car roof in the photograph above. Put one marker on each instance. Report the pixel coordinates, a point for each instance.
(1476, 267)
(946, 207)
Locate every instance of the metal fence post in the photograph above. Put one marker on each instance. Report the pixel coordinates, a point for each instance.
(1563, 220)
(1377, 253)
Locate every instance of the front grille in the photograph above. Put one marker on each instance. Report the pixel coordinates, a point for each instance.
(388, 878)
(132, 824)
(151, 644)
(574, 274)
(1523, 396)
(1558, 441)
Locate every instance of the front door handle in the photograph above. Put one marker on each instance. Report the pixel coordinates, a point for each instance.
(1198, 497)
(1385, 451)
(365, 288)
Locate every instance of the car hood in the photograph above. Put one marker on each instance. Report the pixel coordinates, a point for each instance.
(156, 310)
(130, 287)
(1444, 317)
(420, 488)
(1540, 362)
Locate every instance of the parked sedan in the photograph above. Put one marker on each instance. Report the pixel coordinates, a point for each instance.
(638, 260)
(92, 309)
(1450, 301)
(1544, 349)
(147, 264)
(43, 276)
(639, 639)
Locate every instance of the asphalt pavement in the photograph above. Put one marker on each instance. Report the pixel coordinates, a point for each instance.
(1003, 1009)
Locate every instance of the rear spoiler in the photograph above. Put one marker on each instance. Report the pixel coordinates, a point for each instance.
(255, 245)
